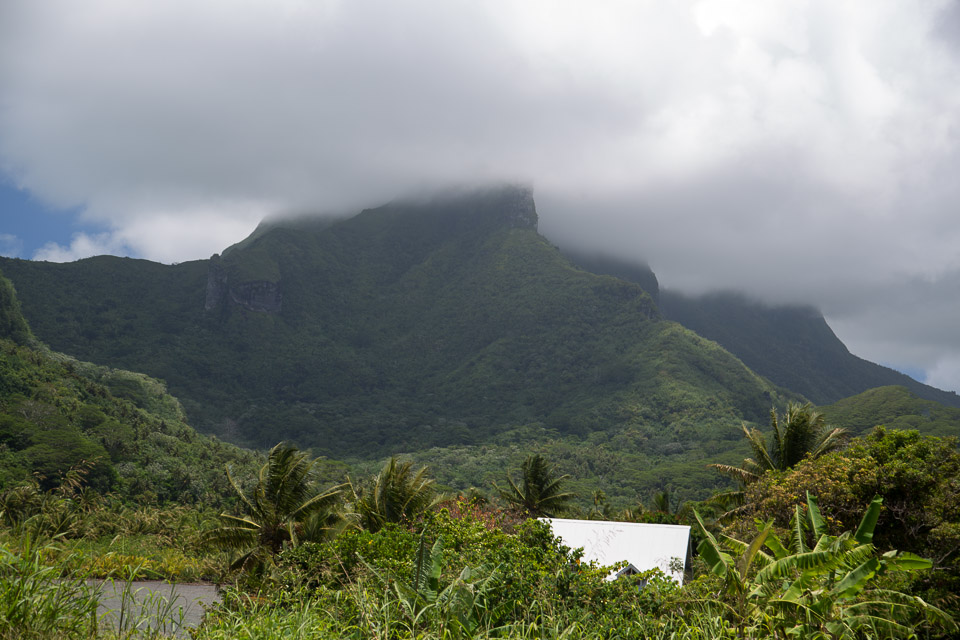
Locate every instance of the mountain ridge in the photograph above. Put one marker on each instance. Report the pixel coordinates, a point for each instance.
(894, 407)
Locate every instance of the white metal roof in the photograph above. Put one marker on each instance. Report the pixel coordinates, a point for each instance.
(645, 546)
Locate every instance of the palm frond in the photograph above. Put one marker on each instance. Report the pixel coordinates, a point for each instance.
(739, 474)
(317, 503)
(240, 493)
(232, 538)
(758, 444)
(830, 441)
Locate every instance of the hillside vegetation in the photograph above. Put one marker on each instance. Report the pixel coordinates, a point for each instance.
(57, 413)
(894, 407)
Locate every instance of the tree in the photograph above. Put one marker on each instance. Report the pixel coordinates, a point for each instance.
(282, 502)
(396, 494)
(800, 432)
(541, 493)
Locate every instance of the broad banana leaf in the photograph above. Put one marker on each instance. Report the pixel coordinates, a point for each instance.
(743, 564)
(856, 579)
(864, 532)
(817, 523)
(817, 561)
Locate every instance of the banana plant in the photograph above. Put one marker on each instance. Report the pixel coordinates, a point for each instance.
(458, 608)
(816, 585)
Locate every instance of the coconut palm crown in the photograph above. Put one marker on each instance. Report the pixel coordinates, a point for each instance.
(799, 433)
(283, 500)
(396, 494)
(540, 492)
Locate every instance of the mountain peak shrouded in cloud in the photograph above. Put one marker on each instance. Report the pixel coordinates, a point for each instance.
(803, 151)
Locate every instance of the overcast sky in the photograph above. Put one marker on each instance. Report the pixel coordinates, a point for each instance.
(798, 151)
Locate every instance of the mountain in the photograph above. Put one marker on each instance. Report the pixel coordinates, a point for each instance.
(894, 407)
(57, 413)
(792, 346)
(443, 322)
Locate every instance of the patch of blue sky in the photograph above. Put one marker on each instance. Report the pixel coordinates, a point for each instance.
(919, 375)
(27, 224)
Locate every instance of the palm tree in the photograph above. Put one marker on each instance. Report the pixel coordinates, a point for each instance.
(282, 503)
(803, 432)
(541, 493)
(662, 502)
(799, 433)
(397, 494)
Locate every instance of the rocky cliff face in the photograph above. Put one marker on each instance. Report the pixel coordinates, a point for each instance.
(518, 207)
(258, 295)
(216, 284)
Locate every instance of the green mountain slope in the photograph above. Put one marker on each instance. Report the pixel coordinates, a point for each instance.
(410, 326)
(631, 271)
(57, 412)
(790, 345)
(894, 407)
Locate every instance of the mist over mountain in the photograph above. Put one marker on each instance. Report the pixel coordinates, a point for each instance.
(415, 324)
(603, 264)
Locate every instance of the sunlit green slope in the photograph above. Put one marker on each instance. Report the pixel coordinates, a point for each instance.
(896, 408)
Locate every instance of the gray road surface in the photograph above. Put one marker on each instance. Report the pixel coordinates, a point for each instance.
(154, 605)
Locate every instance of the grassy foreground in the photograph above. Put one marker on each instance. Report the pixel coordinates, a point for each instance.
(464, 571)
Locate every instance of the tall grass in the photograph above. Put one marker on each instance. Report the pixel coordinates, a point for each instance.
(40, 601)
(359, 612)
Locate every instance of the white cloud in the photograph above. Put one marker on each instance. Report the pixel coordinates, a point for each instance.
(10, 245)
(82, 246)
(170, 237)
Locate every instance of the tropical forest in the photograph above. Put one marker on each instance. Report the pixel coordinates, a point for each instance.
(370, 427)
